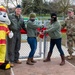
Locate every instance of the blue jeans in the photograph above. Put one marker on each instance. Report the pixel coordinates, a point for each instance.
(58, 44)
(32, 41)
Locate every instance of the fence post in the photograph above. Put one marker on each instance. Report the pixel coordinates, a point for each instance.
(40, 47)
(45, 38)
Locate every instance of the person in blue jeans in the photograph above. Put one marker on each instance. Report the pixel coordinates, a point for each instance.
(31, 37)
(54, 31)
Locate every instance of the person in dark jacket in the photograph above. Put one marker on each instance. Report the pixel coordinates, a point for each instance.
(31, 37)
(17, 23)
(54, 31)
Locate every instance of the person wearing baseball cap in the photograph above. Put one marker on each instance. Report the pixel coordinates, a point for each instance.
(70, 9)
(70, 12)
(18, 10)
(70, 26)
(17, 23)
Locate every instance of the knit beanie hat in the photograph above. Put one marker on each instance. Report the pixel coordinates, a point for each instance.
(53, 14)
(32, 15)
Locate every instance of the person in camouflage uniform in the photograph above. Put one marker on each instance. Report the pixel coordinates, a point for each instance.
(70, 26)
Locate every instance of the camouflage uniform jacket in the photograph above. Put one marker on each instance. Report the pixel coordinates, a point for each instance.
(70, 25)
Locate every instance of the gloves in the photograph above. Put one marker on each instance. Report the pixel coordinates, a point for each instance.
(11, 34)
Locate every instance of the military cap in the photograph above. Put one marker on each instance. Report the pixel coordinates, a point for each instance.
(70, 9)
(32, 15)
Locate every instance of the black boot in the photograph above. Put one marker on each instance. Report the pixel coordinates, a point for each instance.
(62, 60)
(48, 57)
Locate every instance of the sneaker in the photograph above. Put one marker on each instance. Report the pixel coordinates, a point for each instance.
(18, 62)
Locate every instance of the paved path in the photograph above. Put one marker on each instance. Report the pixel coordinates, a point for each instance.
(42, 68)
(4, 72)
(49, 68)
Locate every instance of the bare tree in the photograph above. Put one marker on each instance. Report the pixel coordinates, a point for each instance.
(64, 5)
(61, 5)
(15, 2)
(6, 3)
(12, 2)
(26, 4)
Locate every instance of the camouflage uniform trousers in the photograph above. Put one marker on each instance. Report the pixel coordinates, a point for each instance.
(70, 42)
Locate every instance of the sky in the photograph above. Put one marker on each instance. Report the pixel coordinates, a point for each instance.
(73, 1)
(47, 0)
